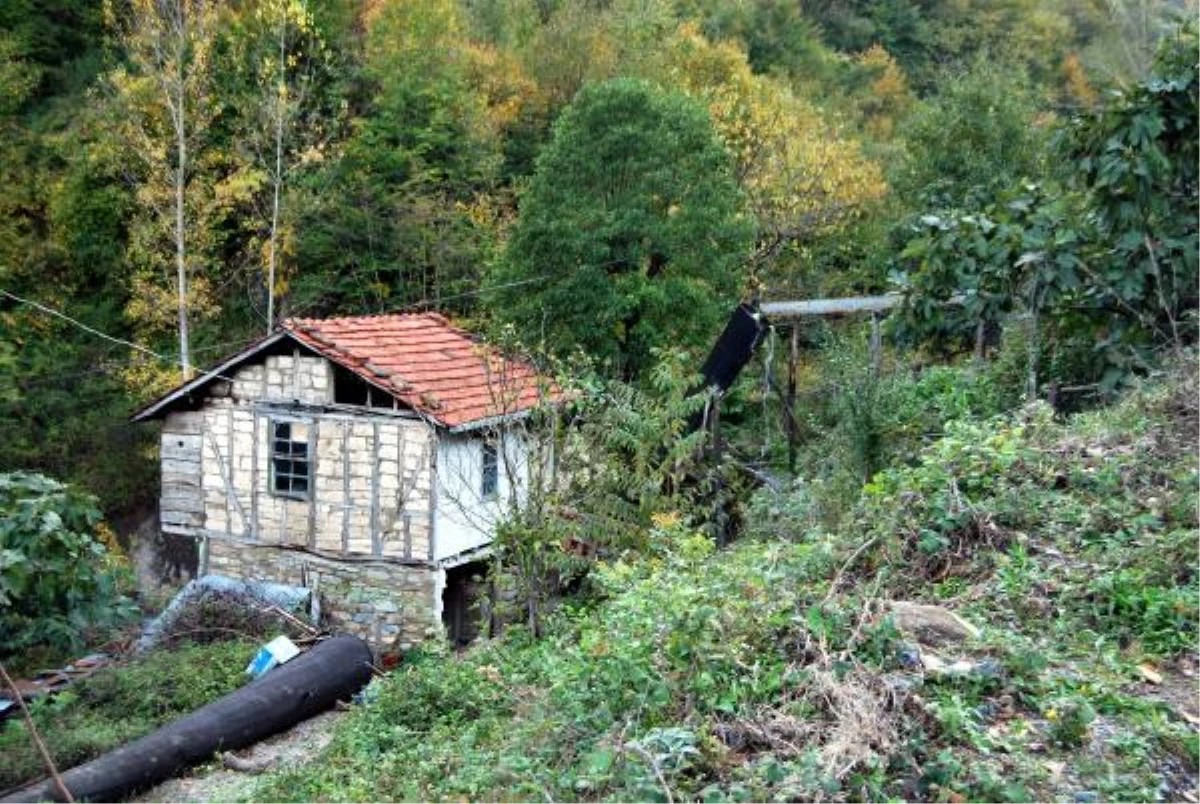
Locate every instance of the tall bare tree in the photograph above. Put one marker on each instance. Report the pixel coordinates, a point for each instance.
(286, 52)
(164, 89)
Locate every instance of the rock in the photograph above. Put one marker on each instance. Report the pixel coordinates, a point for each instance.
(932, 664)
(961, 668)
(931, 625)
(1086, 797)
(1150, 674)
(909, 655)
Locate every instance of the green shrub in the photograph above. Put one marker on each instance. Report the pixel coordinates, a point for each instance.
(858, 422)
(57, 578)
(1129, 606)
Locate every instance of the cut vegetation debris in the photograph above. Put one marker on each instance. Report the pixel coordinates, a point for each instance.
(777, 670)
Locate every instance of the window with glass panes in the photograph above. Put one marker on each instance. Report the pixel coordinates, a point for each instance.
(491, 470)
(290, 466)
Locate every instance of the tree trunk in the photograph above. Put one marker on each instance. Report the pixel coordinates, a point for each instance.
(277, 176)
(185, 361)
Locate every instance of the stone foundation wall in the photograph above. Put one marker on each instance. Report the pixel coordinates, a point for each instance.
(392, 606)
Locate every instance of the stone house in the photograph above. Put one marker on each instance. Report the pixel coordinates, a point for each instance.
(359, 457)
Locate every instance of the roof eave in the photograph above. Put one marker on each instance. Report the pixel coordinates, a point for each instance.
(152, 410)
(489, 421)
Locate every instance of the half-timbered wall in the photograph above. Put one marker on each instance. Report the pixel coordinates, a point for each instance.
(362, 529)
(370, 493)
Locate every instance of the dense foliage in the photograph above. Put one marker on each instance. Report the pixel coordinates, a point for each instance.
(1109, 259)
(773, 670)
(602, 182)
(632, 215)
(349, 158)
(59, 575)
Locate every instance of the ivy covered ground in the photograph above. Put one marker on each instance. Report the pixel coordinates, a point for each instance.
(774, 670)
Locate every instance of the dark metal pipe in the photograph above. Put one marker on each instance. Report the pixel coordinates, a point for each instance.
(333, 670)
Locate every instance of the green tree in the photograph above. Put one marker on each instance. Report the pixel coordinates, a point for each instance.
(632, 233)
(57, 576)
(974, 139)
(390, 219)
(284, 65)
(166, 107)
(1137, 162)
(1104, 271)
(1125, 36)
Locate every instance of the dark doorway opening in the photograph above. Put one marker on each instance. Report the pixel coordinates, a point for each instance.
(465, 601)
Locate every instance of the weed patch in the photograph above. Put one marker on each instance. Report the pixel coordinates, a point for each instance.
(120, 704)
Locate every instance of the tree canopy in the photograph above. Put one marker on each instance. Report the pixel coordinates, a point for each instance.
(405, 154)
(632, 233)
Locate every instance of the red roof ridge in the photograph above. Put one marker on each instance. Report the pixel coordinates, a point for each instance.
(435, 367)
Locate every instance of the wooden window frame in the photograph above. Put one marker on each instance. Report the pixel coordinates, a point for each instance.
(489, 480)
(284, 452)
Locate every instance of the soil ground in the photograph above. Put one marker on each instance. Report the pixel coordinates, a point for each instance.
(216, 781)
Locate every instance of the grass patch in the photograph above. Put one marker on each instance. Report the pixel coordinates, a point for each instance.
(120, 704)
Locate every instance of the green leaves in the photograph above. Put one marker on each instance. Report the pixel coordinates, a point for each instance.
(1105, 267)
(55, 577)
(632, 226)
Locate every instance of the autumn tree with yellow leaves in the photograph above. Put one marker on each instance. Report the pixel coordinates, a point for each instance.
(800, 173)
(164, 107)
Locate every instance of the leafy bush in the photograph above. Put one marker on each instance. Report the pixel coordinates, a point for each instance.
(857, 421)
(769, 671)
(1102, 271)
(57, 577)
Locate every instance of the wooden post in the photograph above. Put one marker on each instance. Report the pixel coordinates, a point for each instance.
(345, 488)
(314, 452)
(715, 451)
(376, 537)
(876, 345)
(789, 417)
(254, 475)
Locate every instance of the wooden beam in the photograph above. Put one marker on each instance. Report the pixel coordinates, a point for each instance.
(376, 538)
(314, 455)
(254, 475)
(876, 345)
(853, 304)
(789, 400)
(345, 488)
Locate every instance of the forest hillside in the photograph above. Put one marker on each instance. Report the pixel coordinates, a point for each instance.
(944, 551)
(344, 158)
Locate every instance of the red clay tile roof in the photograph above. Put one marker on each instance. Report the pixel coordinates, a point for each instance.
(428, 364)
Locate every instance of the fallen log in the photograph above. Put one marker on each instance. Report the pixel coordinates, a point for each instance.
(309, 684)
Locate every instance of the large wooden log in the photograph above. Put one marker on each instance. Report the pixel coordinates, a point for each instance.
(308, 685)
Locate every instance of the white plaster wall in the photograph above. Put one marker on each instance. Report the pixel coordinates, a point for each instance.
(463, 519)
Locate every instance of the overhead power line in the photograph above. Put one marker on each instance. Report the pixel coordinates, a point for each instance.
(111, 338)
(84, 326)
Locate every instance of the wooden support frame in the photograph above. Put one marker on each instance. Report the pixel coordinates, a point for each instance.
(793, 311)
(789, 419)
